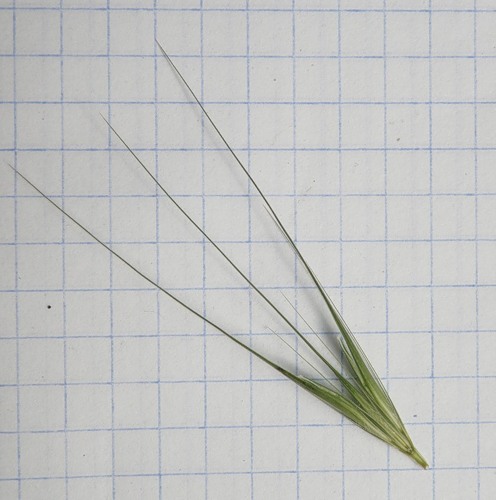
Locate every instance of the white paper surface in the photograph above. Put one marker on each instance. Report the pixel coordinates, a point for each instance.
(370, 125)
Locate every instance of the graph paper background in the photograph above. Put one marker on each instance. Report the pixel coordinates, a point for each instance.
(370, 123)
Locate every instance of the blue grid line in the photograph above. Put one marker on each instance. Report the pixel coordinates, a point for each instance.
(133, 102)
(233, 242)
(386, 231)
(341, 225)
(476, 185)
(254, 56)
(246, 473)
(301, 149)
(16, 263)
(239, 380)
(64, 248)
(204, 250)
(250, 256)
(158, 260)
(110, 257)
(247, 196)
(431, 229)
(230, 426)
(190, 289)
(295, 232)
(254, 9)
(241, 334)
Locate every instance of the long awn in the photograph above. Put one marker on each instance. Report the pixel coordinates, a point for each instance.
(355, 390)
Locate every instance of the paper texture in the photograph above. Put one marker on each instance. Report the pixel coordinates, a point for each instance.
(369, 125)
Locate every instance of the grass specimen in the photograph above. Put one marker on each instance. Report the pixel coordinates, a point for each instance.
(351, 387)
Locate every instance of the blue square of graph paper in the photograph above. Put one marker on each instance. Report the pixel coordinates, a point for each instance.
(363, 218)
(89, 406)
(316, 80)
(183, 450)
(362, 80)
(33, 356)
(407, 80)
(454, 263)
(455, 354)
(453, 217)
(136, 452)
(271, 29)
(456, 399)
(135, 406)
(35, 29)
(408, 218)
(453, 172)
(408, 172)
(315, 449)
(132, 79)
(179, 32)
(274, 403)
(407, 34)
(39, 126)
(363, 264)
(232, 72)
(53, 463)
(135, 360)
(416, 365)
(453, 483)
(456, 445)
(89, 453)
(362, 172)
(41, 408)
(219, 26)
(182, 404)
(274, 449)
(452, 80)
(265, 484)
(54, 488)
(129, 30)
(408, 126)
(228, 450)
(317, 128)
(38, 79)
(129, 488)
(79, 88)
(362, 34)
(271, 80)
(91, 487)
(362, 126)
(376, 483)
(452, 33)
(85, 32)
(454, 309)
(312, 484)
(228, 404)
(316, 33)
(410, 485)
(230, 486)
(369, 310)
